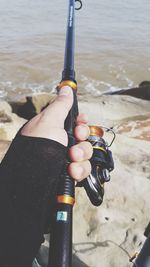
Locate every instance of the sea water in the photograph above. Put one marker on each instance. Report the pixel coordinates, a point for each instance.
(112, 48)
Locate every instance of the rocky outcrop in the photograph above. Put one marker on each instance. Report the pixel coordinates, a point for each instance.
(108, 235)
(10, 123)
(142, 92)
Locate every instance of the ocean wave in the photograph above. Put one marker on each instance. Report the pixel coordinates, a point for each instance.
(10, 90)
(115, 77)
(97, 88)
(120, 74)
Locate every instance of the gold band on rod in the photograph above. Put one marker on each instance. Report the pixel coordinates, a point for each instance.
(72, 84)
(65, 200)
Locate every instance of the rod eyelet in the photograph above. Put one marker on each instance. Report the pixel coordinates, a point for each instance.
(80, 4)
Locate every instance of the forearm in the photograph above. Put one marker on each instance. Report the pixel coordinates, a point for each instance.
(29, 174)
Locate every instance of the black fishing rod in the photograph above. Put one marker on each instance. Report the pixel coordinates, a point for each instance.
(60, 250)
(142, 259)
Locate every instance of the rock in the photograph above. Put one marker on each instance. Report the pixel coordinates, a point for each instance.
(4, 145)
(30, 106)
(138, 128)
(115, 110)
(4, 117)
(23, 107)
(10, 123)
(42, 100)
(5, 107)
(144, 84)
(78, 263)
(142, 92)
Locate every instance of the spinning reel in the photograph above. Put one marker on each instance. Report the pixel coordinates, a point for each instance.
(102, 164)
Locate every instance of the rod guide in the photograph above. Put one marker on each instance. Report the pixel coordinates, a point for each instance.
(80, 4)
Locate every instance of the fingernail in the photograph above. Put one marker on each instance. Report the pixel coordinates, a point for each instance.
(65, 91)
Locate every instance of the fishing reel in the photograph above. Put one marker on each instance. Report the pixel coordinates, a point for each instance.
(102, 164)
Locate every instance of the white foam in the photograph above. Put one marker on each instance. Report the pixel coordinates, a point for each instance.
(3, 94)
(8, 88)
(120, 74)
(96, 87)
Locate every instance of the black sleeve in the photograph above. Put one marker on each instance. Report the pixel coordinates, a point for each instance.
(29, 174)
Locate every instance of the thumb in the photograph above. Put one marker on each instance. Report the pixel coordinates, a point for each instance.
(60, 108)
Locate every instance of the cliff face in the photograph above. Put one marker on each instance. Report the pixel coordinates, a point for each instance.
(108, 235)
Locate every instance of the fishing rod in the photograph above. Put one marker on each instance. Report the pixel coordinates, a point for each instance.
(142, 259)
(60, 252)
(60, 249)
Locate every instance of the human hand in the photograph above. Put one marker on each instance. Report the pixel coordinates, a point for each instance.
(50, 124)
